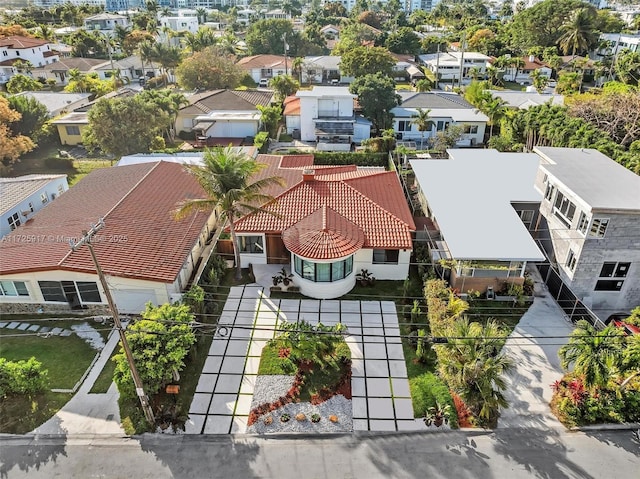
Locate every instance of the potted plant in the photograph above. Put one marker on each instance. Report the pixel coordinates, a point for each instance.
(287, 278)
(315, 417)
(437, 415)
(276, 280)
(365, 278)
(285, 417)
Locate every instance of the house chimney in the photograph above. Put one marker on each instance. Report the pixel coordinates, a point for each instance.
(308, 174)
(532, 58)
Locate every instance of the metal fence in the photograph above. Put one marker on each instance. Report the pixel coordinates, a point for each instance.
(566, 299)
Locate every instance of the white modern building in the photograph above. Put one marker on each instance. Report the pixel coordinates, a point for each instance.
(448, 65)
(105, 22)
(17, 49)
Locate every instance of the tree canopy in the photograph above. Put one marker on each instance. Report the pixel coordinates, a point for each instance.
(362, 61)
(267, 36)
(209, 69)
(122, 126)
(33, 116)
(11, 145)
(377, 97)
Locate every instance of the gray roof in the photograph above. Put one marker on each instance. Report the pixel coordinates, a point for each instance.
(488, 228)
(598, 180)
(327, 62)
(526, 99)
(436, 100)
(64, 64)
(16, 190)
(56, 101)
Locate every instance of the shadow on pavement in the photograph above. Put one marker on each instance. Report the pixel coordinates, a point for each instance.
(29, 452)
(540, 451)
(623, 439)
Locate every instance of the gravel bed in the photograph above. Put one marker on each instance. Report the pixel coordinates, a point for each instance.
(270, 388)
(89, 334)
(337, 405)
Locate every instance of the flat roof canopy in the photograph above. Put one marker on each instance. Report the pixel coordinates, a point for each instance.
(470, 196)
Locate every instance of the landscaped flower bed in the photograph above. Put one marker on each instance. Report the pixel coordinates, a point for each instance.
(304, 382)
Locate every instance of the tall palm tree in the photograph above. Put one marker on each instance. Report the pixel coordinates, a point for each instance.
(578, 32)
(201, 13)
(145, 49)
(167, 56)
(296, 67)
(226, 177)
(423, 122)
(473, 366)
(594, 354)
(495, 108)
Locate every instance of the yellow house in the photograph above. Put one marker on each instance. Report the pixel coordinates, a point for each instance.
(71, 126)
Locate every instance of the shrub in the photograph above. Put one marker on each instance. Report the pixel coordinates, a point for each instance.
(57, 163)
(22, 377)
(187, 135)
(157, 143)
(261, 141)
(427, 391)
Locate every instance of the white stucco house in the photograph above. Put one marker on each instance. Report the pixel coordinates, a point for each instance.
(327, 117)
(445, 109)
(447, 65)
(145, 253)
(16, 48)
(522, 75)
(260, 67)
(329, 223)
(22, 197)
(105, 22)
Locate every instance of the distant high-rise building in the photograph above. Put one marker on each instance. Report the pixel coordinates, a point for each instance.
(122, 5)
(53, 3)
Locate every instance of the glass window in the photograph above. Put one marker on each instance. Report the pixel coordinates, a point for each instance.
(337, 271)
(471, 129)
(297, 261)
(323, 272)
(614, 270)
(308, 270)
(548, 192)
(60, 189)
(598, 227)
(73, 130)
(404, 125)
(609, 285)
(571, 260)
(250, 244)
(14, 221)
(564, 209)
(385, 256)
(88, 292)
(348, 266)
(583, 223)
(44, 198)
(52, 291)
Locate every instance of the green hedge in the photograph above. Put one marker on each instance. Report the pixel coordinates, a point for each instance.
(428, 389)
(22, 377)
(346, 158)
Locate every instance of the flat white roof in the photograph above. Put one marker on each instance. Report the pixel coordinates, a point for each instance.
(186, 158)
(470, 196)
(326, 91)
(597, 179)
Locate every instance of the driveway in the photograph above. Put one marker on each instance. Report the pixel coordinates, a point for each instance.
(534, 346)
(381, 399)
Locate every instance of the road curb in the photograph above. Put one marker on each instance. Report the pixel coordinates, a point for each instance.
(606, 427)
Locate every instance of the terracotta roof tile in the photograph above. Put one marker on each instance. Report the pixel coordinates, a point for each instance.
(261, 61)
(140, 239)
(323, 234)
(381, 226)
(20, 42)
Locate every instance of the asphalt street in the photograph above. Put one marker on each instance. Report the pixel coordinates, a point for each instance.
(505, 453)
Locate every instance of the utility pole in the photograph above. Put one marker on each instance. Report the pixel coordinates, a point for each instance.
(286, 47)
(86, 239)
(461, 60)
(437, 65)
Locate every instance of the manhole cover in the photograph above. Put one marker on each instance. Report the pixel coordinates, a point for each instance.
(110, 417)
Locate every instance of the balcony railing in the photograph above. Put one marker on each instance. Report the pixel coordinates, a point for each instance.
(334, 115)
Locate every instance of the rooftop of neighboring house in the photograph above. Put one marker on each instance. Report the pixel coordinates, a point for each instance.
(482, 224)
(326, 62)
(57, 101)
(18, 42)
(325, 92)
(132, 61)
(84, 65)
(578, 60)
(328, 212)
(526, 99)
(184, 158)
(263, 61)
(291, 106)
(235, 100)
(136, 203)
(105, 16)
(441, 104)
(447, 58)
(533, 63)
(594, 177)
(16, 190)
(80, 115)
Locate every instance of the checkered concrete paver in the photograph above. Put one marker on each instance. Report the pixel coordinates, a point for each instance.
(381, 399)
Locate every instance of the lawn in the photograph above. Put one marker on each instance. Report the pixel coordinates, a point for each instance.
(42, 160)
(105, 378)
(65, 358)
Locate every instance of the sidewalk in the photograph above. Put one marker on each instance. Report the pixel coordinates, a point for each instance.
(89, 413)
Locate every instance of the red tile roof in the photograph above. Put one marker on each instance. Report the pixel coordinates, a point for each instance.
(141, 239)
(323, 234)
(291, 106)
(371, 200)
(263, 61)
(20, 42)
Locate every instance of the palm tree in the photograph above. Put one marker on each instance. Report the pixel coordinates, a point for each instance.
(539, 80)
(473, 366)
(296, 67)
(145, 49)
(226, 177)
(424, 85)
(595, 355)
(578, 32)
(201, 13)
(494, 108)
(423, 122)
(170, 102)
(167, 56)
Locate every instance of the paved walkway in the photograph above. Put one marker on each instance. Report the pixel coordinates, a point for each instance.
(381, 398)
(537, 365)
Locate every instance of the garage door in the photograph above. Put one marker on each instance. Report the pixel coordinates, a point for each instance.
(132, 301)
